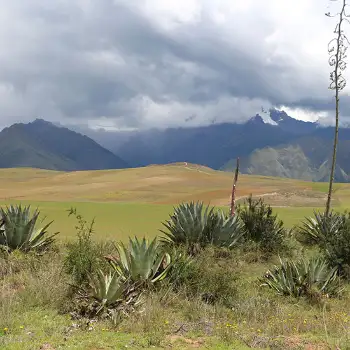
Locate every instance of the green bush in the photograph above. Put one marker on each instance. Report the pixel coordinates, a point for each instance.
(84, 256)
(195, 227)
(261, 226)
(211, 276)
(311, 278)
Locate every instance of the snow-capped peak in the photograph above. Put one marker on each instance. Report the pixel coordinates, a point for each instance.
(263, 119)
(268, 120)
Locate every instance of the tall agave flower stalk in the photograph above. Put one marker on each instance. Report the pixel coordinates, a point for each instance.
(337, 48)
(233, 195)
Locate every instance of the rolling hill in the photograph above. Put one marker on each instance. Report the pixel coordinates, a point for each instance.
(41, 144)
(116, 197)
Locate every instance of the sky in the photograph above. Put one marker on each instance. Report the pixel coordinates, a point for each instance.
(136, 64)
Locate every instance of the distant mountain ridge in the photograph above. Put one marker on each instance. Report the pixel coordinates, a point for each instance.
(270, 143)
(41, 144)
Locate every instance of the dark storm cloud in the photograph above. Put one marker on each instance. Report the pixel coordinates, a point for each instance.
(82, 60)
(326, 104)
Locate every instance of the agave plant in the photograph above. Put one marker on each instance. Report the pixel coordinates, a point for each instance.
(194, 226)
(222, 230)
(188, 223)
(17, 230)
(304, 277)
(107, 296)
(315, 230)
(141, 262)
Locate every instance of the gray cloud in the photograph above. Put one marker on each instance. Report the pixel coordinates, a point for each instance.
(125, 64)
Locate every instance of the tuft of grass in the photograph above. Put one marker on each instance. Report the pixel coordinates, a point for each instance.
(32, 285)
(206, 278)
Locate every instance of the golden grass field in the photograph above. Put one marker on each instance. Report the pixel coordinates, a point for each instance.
(135, 202)
(131, 202)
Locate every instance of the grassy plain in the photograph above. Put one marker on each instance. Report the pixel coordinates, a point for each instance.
(134, 202)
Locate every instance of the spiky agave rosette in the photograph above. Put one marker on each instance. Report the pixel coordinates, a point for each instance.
(17, 230)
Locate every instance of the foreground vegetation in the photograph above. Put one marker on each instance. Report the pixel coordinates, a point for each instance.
(209, 280)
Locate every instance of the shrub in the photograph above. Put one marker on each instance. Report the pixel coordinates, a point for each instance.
(211, 276)
(141, 262)
(18, 232)
(84, 256)
(43, 284)
(196, 228)
(261, 226)
(180, 266)
(311, 278)
(18, 261)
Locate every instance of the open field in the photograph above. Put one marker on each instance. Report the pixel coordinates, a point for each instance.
(35, 295)
(135, 201)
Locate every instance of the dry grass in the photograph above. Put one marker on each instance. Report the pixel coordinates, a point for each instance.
(31, 298)
(158, 185)
(31, 294)
(114, 197)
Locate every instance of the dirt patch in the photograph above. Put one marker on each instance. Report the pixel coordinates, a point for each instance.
(295, 342)
(297, 199)
(282, 199)
(193, 343)
(47, 347)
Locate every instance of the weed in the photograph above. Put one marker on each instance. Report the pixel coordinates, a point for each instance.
(84, 256)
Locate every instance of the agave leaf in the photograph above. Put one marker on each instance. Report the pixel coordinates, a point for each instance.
(141, 262)
(107, 290)
(115, 289)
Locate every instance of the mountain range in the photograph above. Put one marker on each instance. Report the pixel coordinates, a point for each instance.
(41, 144)
(271, 143)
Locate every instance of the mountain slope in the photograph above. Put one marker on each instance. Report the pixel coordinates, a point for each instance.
(212, 145)
(306, 158)
(41, 144)
(270, 143)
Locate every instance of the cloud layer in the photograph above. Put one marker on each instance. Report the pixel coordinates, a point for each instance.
(147, 63)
